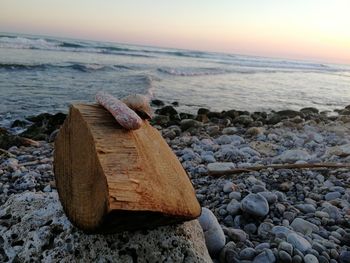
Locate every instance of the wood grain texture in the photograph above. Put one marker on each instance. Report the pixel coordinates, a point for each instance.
(110, 179)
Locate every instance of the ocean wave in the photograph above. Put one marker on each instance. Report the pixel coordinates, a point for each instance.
(75, 66)
(191, 72)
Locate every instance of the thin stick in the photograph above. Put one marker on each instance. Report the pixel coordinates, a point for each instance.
(280, 166)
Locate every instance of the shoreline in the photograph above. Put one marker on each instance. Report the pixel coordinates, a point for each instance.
(302, 214)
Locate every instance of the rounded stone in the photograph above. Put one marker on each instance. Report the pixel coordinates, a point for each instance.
(298, 242)
(309, 258)
(255, 204)
(234, 207)
(266, 256)
(213, 233)
(247, 253)
(286, 247)
(297, 259)
(228, 187)
(344, 257)
(284, 257)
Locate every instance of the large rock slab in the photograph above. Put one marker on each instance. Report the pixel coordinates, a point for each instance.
(34, 226)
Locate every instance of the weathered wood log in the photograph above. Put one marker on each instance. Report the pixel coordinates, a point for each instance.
(110, 179)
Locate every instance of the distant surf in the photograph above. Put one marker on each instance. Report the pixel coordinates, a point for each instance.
(46, 74)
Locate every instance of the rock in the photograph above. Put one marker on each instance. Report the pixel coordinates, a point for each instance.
(254, 131)
(247, 253)
(8, 140)
(213, 130)
(303, 226)
(309, 258)
(45, 234)
(265, 148)
(228, 187)
(269, 196)
(297, 259)
(202, 111)
(160, 120)
(306, 208)
(281, 231)
(156, 102)
(234, 207)
(309, 111)
(344, 257)
(229, 130)
(244, 120)
(228, 253)
(43, 125)
(286, 186)
(264, 230)
(219, 167)
(188, 123)
(341, 151)
(332, 195)
(237, 235)
(235, 195)
(167, 111)
(265, 257)
(213, 233)
(292, 156)
(333, 211)
(284, 257)
(255, 205)
(298, 242)
(286, 247)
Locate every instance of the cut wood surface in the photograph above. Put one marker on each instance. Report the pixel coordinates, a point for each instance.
(279, 166)
(112, 179)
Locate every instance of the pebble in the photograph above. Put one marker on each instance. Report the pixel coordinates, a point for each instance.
(213, 233)
(266, 256)
(332, 195)
(255, 204)
(237, 235)
(234, 207)
(228, 187)
(344, 257)
(286, 247)
(292, 156)
(298, 242)
(303, 226)
(309, 258)
(269, 196)
(284, 257)
(247, 253)
(235, 195)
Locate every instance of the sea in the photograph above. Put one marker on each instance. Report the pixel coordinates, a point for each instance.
(46, 74)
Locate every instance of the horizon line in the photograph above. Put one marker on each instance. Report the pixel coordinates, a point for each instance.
(320, 61)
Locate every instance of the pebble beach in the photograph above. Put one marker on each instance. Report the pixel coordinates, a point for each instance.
(270, 215)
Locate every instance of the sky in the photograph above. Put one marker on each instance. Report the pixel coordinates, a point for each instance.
(300, 29)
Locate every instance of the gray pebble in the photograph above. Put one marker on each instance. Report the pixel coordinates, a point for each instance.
(255, 205)
(284, 257)
(247, 253)
(266, 256)
(332, 195)
(298, 242)
(309, 258)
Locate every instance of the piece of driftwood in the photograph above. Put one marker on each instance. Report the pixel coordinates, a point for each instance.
(279, 166)
(111, 179)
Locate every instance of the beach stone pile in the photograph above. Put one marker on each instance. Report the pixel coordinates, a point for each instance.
(284, 215)
(33, 226)
(272, 215)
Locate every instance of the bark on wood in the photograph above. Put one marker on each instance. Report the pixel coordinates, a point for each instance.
(110, 179)
(280, 166)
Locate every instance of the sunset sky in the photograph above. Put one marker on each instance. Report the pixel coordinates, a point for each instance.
(300, 29)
